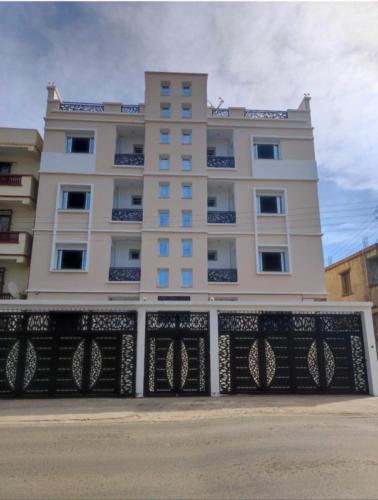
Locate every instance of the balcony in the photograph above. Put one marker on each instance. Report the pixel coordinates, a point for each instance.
(129, 145)
(127, 214)
(15, 247)
(217, 217)
(127, 201)
(131, 159)
(222, 266)
(18, 189)
(124, 274)
(220, 149)
(222, 275)
(220, 202)
(221, 162)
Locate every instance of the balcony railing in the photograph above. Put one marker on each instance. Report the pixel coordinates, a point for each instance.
(124, 274)
(222, 275)
(6, 296)
(221, 161)
(220, 112)
(9, 237)
(129, 159)
(130, 109)
(87, 107)
(217, 217)
(260, 114)
(10, 180)
(127, 214)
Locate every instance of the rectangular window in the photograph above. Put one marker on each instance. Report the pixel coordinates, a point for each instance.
(165, 110)
(186, 89)
(266, 151)
(164, 162)
(2, 279)
(186, 218)
(270, 204)
(163, 248)
(186, 111)
(273, 261)
(80, 144)
(164, 137)
(5, 221)
(186, 137)
(134, 254)
(71, 259)
(164, 190)
(163, 277)
(372, 267)
(138, 149)
(211, 202)
(164, 218)
(76, 200)
(186, 248)
(136, 200)
(211, 151)
(186, 162)
(186, 191)
(165, 88)
(187, 278)
(212, 255)
(346, 285)
(5, 167)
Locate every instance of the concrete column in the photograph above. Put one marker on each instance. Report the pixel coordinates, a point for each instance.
(370, 351)
(141, 337)
(214, 353)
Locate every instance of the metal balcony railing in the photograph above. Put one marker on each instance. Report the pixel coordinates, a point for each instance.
(222, 275)
(216, 217)
(129, 159)
(6, 296)
(9, 237)
(261, 114)
(88, 107)
(130, 109)
(221, 161)
(124, 274)
(127, 214)
(220, 112)
(10, 180)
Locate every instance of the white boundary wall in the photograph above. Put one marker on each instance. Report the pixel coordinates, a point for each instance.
(363, 308)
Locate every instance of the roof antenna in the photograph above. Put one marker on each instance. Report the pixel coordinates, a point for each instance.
(221, 101)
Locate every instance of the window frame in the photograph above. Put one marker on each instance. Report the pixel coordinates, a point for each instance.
(280, 202)
(186, 158)
(69, 143)
(184, 87)
(186, 111)
(284, 259)
(183, 273)
(65, 190)
(186, 195)
(346, 283)
(160, 242)
(164, 212)
(186, 133)
(186, 213)
(165, 88)
(133, 197)
(161, 194)
(70, 247)
(276, 150)
(165, 110)
(164, 158)
(131, 250)
(183, 243)
(212, 198)
(215, 252)
(165, 133)
(160, 272)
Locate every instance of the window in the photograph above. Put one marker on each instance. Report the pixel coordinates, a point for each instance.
(187, 137)
(186, 218)
(76, 200)
(164, 218)
(164, 189)
(270, 204)
(186, 162)
(186, 89)
(165, 88)
(212, 255)
(346, 285)
(372, 267)
(187, 278)
(186, 191)
(266, 151)
(273, 261)
(163, 248)
(2, 279)
(5, 220)
(164, 137)
(80, 144)
(165, 110)
(136, 200)
(5, 167)
(211, 202)
(186, 248)
(138, 149)
(186, 111)
(163, 277)
(71, 258)
(164, 162)
(211, 151)
(134, 254)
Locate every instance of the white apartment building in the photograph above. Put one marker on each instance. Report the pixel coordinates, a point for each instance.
(175, 200)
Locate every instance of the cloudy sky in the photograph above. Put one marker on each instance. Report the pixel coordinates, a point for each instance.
(257, 55)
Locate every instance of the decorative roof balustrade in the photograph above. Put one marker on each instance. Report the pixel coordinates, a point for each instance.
(124, 274)
(218, 217)
(87, 107)
(221, 161)
(222, 275)
(127, 214)
(220, 112)
(130, 109)
(259, 114)
(136, 160)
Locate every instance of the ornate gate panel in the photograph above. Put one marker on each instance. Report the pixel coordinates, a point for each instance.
(290, 352)
(177, 354)
(67, 354)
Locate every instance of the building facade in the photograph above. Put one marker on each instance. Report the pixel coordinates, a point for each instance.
(173, 200)
(20, 151)
(356, 278)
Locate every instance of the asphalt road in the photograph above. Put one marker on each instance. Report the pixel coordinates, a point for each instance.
(256, 447)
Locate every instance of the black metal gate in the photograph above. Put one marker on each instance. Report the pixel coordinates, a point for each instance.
(289, 352)
(50, 354)
(177, 354)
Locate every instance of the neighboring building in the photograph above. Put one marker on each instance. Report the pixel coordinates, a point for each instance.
(172, 200)
(20, 151)
(356, 278)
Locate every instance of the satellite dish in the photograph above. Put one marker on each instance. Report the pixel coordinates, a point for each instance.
(13, 290)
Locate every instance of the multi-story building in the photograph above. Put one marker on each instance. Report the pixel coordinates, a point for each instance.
(356, 278)
(20, 151)
(173, 200)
